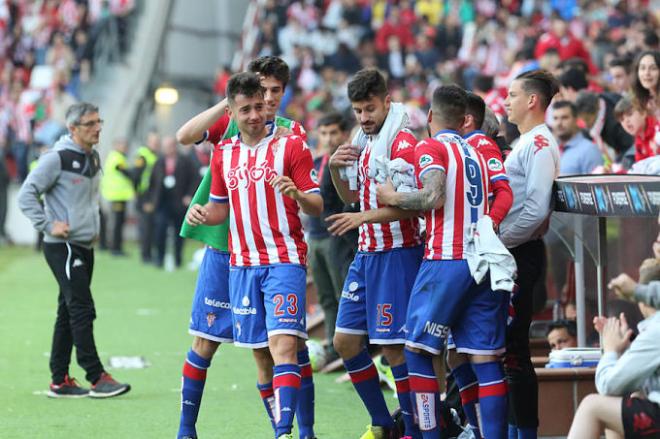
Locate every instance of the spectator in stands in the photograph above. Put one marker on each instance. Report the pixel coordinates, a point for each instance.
(572, 81)
(562, 334)
(173, 182)
(579, 155)
(117, 188)
(567, 45)
(16, 129)
(619, 71)
(60, 56)
(394, 26)
(646, 81)
(628, 375)
(637, 121)
(597, 113)
(483, 86)
(222, 75)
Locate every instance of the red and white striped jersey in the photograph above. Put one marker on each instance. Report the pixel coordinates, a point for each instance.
(264, 225)
(385, 236)
(491, 153)
(448, 228)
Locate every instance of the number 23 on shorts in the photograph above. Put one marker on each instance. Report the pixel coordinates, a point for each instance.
(290, 304)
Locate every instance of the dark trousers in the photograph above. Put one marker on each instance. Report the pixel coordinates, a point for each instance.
(329, 280)
(118, 211)
(520, 374)
(146, 222)
(167, 216)
(72, 267)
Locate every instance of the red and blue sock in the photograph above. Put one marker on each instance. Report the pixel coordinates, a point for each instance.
(364, 376)
(492, 398)
(305, 408)
(268, 398)
(400, 373)
(426, 393)
(192, 388)
(286, 383)
(468, 386)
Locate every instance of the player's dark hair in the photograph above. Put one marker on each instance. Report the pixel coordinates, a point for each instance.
(483, 83)
(476, 107)
(366, 84)
(332, 119)
(271, 66)
(449, 105)
(638, 91)
(569, 325)
(244, 83)
(565, 104)
(541, 83)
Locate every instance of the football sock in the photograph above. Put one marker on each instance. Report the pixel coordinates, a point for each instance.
(286, 384)
(192, 388)
(425, 391)
(305, 407)
(400, 373)
(364, 376)
(492, 398)
(468, 386)
(268, 398)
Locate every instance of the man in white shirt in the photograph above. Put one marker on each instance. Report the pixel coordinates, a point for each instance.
(532, 166)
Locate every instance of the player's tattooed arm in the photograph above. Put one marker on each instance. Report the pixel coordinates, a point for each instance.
(430, 196)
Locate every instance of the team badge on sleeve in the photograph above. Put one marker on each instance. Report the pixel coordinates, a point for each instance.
(495, 165)
(314, 176)
(425, 160)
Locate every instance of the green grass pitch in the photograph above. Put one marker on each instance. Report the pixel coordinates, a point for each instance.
(141, 311)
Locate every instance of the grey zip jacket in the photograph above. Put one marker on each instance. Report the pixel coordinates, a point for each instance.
(68, 180)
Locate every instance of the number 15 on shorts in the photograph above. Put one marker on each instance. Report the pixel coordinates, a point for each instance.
(384, 311)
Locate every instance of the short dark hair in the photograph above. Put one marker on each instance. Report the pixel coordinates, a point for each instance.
(476, 107)
(366, 84)
(271, 66)
(587, 102)
(483, 83)
(569, 325)
(244, 83)
(332, 119)
(449, 105)
(651, 38)
(565, 104)
(540, 82)
(574, 78)
(624, 62)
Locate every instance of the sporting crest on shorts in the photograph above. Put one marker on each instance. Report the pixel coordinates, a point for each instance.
(210, 318)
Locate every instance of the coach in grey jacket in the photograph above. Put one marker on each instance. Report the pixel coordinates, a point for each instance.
(67, 179)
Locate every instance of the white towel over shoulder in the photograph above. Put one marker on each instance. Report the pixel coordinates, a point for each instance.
(487, 253)
(396, 120)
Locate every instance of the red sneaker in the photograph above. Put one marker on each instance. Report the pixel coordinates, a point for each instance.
(69, 388)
